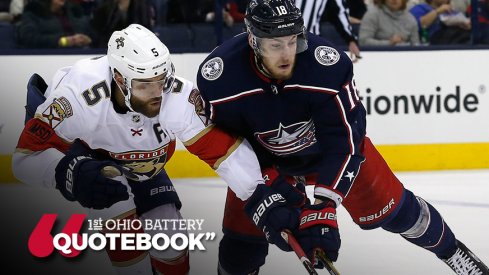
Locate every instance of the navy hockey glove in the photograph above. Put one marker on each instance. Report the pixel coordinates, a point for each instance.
(295, 195)
(269, 211)
(318, 229)
(79, 178)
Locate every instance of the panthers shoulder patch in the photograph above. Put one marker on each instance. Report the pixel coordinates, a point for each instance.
(57, 111)
(196, 99)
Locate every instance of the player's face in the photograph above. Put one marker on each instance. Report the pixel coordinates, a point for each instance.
(146, 95)
(278, 55)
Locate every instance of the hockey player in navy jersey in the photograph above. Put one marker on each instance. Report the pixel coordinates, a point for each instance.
(292, 95)
(123, 111)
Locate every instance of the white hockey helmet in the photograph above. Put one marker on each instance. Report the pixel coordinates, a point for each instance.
(137, 53)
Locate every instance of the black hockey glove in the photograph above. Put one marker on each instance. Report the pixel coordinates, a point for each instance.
(79, 178)
(269, 211)
(295, 195)
(318, 229)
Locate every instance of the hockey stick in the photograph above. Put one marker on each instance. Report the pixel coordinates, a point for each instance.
(290, 239)
(326, 262)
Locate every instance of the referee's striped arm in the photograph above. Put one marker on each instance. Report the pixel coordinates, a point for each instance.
(312, 11)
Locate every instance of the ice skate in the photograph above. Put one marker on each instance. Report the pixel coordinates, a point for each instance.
(464, 262)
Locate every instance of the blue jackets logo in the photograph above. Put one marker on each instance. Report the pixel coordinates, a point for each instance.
(288, 139)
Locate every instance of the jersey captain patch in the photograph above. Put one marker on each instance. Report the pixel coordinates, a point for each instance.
(212, 69)
(57, 111)
(288, 139)
(326, 56)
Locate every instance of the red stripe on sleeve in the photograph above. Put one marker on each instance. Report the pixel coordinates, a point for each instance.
(39, 136)
(171, 150)
(212, 146)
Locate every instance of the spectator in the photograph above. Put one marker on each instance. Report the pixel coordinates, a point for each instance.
(236, 10)
(439, 24)
(115, 15)
(52, 24)
(357, 8)
(199, 11)
(232, 11)
(312, 12)
(175, 12)
(161, 11)
(412, 3)
(11, 10)
(460, 5)
(483, 21)
(388, 23)
(189, 11)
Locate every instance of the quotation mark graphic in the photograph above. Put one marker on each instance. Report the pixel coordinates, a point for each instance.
(41, 240)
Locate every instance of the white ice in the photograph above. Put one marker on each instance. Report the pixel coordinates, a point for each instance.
(462, 197)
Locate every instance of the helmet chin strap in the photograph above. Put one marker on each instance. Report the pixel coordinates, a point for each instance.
(127, 95)
(259, 57)
(261, 67)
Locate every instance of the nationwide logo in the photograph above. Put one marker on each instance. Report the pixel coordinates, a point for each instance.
(440, 101)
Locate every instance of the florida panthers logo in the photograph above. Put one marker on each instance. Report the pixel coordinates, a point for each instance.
(212, 69)
(288, 139)
(143, 165)
(120, 42)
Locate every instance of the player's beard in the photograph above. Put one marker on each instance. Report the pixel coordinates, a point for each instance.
(149, 108)
(275, 70)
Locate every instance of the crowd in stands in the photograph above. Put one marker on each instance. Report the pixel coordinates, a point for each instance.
(37, 24)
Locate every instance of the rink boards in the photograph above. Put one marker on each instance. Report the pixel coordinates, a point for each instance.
(427, 110)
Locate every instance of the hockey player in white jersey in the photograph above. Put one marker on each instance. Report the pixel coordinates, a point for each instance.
(125, 111)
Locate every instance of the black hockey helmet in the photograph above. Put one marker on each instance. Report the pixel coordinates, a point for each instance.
(275, 18)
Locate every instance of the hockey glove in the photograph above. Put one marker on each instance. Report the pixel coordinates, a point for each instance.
(269, 211)
(318, 229)
(295, 195)
(79, 178)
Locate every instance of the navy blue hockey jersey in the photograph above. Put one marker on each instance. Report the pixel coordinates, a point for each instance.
(312, 123)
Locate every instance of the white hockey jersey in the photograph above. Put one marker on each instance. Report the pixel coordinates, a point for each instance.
(79, 106)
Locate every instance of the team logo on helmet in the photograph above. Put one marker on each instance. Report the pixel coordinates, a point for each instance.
(213, 68)
(120, 42)
(326, 56)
